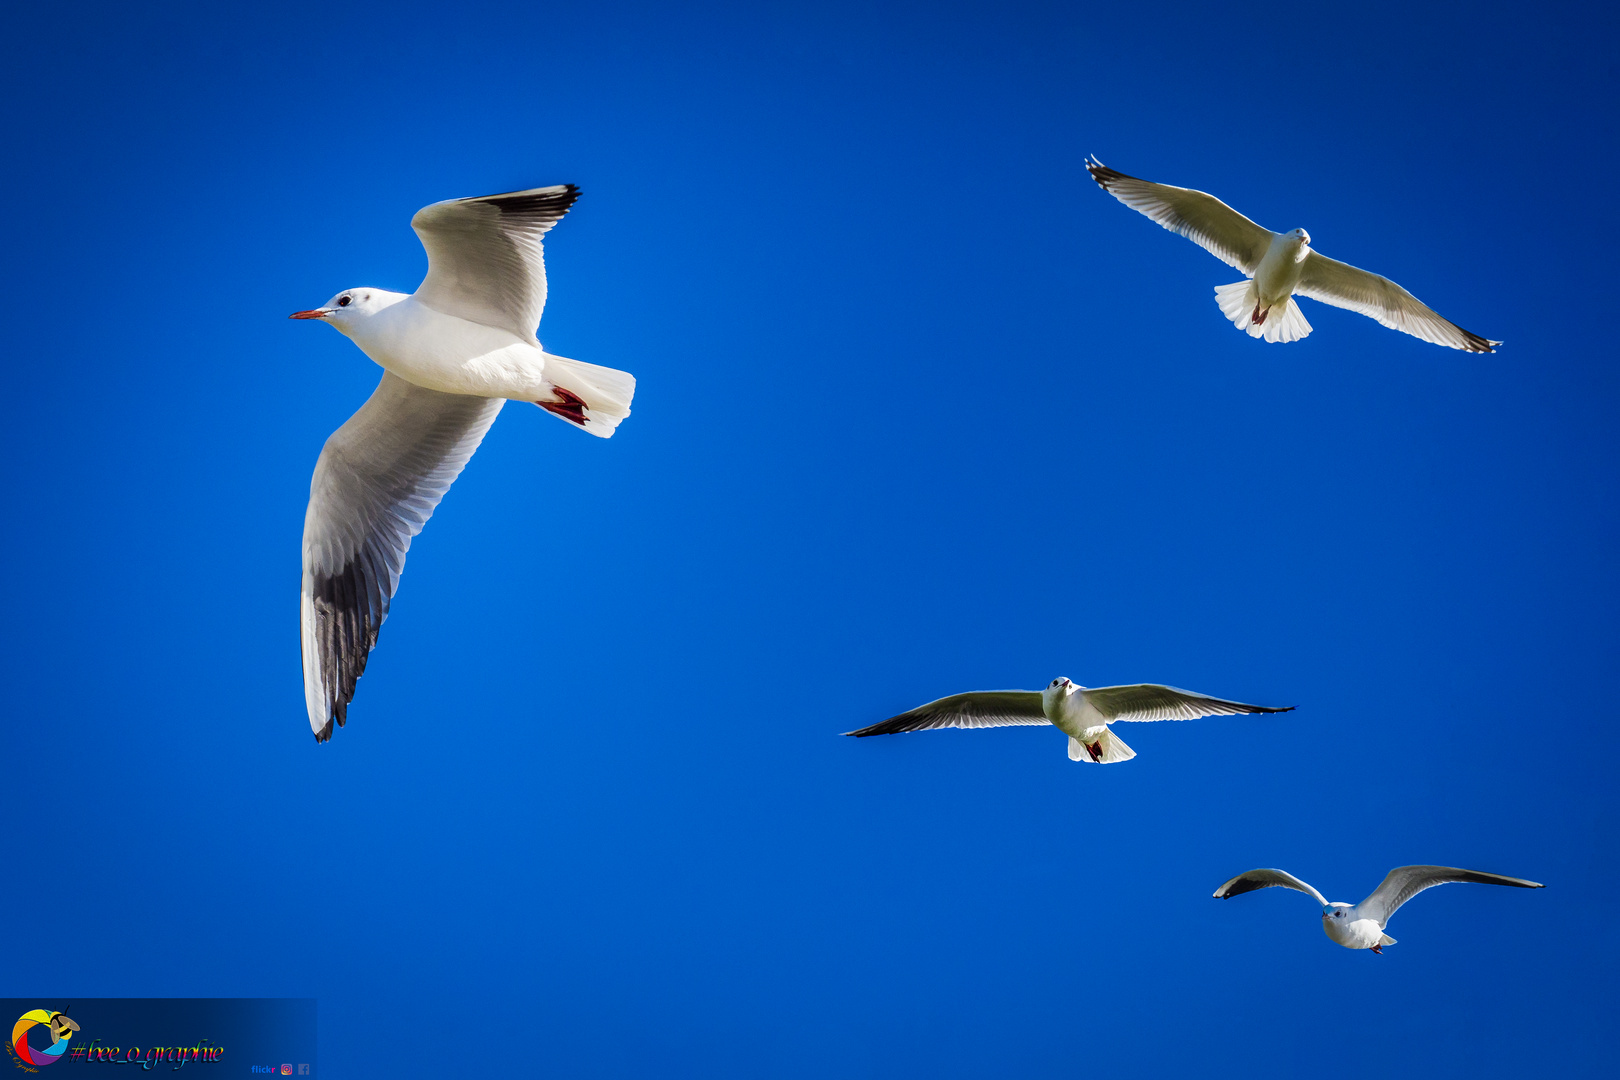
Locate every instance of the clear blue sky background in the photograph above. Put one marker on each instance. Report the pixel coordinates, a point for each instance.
(920, 410)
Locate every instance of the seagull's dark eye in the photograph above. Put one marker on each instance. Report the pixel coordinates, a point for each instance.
(345, 301)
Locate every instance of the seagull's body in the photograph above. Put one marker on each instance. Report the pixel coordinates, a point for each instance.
(452, 353)
(1278, 274)
(1279, 265)
(1361, 926)
(1081, 713)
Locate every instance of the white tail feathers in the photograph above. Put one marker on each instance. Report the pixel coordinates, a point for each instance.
(605, 392)
(1283, 322)
(1236, 302)
(1385, 940)
(1110, 748)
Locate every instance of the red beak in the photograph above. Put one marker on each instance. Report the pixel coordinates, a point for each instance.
(309, 314)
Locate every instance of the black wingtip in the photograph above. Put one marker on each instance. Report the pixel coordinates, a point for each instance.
(550, 204)
(1237, 887)
(1102, 173)
(325, 734)
(882, 727)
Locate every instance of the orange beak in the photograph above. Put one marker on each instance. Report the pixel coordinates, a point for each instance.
(317, 314)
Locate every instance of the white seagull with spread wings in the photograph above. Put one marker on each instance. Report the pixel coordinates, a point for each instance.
(452, 353)
(1361, 926)
(1081, 713)
(1279, 265)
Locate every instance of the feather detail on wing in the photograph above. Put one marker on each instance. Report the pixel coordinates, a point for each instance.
(1151, 701)
(1342, 285)
(1405, 882)
(1200, 217)
(378, 480)
(980, 709)
(1265, 879)
(485, 261)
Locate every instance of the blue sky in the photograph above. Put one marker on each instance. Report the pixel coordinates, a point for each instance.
(920, 411)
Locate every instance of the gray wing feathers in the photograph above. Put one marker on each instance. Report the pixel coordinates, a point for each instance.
(485, 259)
(1342, 285)
(1265, 879)
(1151, 701)
(981, 709)
(378, 480)
(1200, 217)
(1405, 882)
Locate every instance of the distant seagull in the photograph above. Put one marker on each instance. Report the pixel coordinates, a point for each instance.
(1080, 713)
(1361, 926)
(452, 352)
(1280, 264)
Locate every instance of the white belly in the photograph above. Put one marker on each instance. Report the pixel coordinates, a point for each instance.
(1077, 718)
(1279, 271)
(442, 352)
(1354, 933)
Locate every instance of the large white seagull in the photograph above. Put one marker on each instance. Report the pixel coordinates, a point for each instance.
(452, 353)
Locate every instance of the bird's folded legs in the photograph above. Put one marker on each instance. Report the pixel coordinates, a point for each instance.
(1095, 750)
(1379, 949)
(1259, 317)
(570, 408)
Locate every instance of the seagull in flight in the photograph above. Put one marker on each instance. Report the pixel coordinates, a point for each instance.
(1361, 926)
(452, 353)
(1280, 265)
(1081, 713)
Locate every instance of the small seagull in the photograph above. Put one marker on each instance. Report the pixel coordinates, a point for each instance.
(1280, 265)
(1361, 926)
(1081, 713)
(451, 353)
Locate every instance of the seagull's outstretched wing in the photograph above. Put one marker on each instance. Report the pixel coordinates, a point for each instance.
(1201, 218)
(377, 481)
(982, 708)
(1265, 879)
(1345, 286)
(1150, 701)
(1405, 882)
(485, 264)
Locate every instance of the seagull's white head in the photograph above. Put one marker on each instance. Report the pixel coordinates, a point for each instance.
(350, 307)
(1302, 236)
(1336, 910)
(1057, 690)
